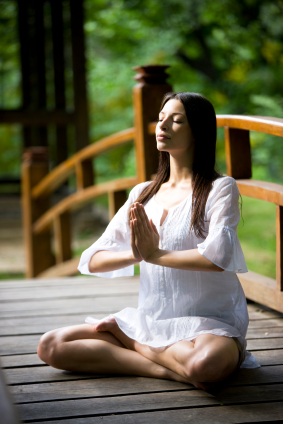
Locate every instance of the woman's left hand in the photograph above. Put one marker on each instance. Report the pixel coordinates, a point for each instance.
(146, 234)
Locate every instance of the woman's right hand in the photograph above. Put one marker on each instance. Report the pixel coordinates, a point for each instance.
(136, 253)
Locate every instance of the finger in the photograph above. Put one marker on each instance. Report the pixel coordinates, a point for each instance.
(137, 229)
(153, 226)
(145, 217)
(139, 218)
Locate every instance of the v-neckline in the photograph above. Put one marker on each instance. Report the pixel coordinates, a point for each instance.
(170, 209)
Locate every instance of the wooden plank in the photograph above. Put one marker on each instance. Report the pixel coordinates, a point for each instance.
(96, 304)
(265, 323)
(100, 387)
(240, 414)
(147, 402)
(262, 190)
(42, 375)
(21, 361)
(75, 291)
(269, 357)
(21, 326)
(265, 344)
(8, 412)
(260, 333)
(80, 281)
(112, 405)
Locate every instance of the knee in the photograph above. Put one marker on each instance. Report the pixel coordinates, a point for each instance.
(205, 368)
(48, 348)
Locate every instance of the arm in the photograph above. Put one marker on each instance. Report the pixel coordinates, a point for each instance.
(190, 260)
(104, 261)
(147, 242)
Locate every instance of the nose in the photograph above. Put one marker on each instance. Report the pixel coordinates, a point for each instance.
(163, 124)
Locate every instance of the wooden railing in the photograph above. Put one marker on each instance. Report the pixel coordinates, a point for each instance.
(38, 185)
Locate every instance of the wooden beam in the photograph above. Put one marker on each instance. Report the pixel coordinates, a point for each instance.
(59, 76)
(265, 124)
(84, 174)
(37, 246)
(147, 96)
(62, 237)
(116, 200)
(79, 77)
(35, 118)
(238, 153)
(262, 190)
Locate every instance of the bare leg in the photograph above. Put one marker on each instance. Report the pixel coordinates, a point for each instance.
(80, 348)
(208, 358)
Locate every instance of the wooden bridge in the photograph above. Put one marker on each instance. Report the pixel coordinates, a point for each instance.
(33, 306)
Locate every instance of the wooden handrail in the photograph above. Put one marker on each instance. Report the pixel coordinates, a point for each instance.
(60, 174)
(265, 124)
(76, 200)
(262, 190)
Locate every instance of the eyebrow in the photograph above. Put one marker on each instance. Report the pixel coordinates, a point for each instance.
(175, 113)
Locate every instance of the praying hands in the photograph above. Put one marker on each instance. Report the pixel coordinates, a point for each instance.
(144, 234)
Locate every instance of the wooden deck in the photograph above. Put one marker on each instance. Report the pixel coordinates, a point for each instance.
(44, 394)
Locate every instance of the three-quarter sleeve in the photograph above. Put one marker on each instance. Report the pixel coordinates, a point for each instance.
(116, 238)
(222, 246)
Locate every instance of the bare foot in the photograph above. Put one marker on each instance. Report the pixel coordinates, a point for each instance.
(108, 325)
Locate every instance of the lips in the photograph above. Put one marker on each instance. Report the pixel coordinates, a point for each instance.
(162, 136)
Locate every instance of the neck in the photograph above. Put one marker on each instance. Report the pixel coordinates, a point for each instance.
(181, 169)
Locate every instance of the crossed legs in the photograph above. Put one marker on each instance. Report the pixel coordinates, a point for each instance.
(105, 349)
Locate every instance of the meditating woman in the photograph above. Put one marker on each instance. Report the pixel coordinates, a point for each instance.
(191, 321)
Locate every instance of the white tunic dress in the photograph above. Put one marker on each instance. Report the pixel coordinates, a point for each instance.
(176, 304)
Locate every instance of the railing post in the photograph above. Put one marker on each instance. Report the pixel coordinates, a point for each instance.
(37, 247)
(279, 247)
(116, 199)
(147, 96)
(238, 153)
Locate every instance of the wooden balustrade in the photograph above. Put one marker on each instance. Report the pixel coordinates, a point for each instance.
(38, 184)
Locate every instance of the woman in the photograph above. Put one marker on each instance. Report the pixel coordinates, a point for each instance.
(192, 318)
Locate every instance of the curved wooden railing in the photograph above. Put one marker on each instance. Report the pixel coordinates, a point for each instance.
(38, 184)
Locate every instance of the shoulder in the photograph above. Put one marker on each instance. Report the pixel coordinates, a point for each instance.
(224, 189)
(224, 184)
(138, 189)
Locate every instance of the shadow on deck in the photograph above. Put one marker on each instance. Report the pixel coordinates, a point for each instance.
(44, 394)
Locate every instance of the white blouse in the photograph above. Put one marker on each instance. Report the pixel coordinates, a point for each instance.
(176, 304)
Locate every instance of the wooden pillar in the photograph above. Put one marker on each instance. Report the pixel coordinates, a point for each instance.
(78, 57)
(147, 96)
(37, 247)
(31, 31)
(84, 174)
(115, 201)
(279, 247)
(59, 76)
(238, 153)
(62, 238)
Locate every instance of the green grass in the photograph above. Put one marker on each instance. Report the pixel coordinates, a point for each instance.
(257, 235)
(11, 276)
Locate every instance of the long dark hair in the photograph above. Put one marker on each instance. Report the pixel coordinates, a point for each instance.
(201, 117)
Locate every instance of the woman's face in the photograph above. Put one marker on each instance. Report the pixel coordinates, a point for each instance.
(173, 131)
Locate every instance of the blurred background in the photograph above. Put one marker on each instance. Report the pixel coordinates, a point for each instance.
(231, 52)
